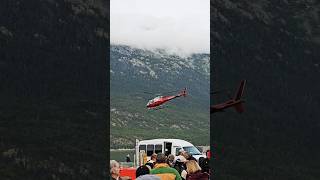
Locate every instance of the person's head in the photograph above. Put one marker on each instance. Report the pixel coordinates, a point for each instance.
(186, 155)
(142, 170)
(161, 158)
(204, 164)
(171, 157)
(114, 168)
(181, 161)
(208, 154)
(154, 157)
(181, 151)
(192, 166)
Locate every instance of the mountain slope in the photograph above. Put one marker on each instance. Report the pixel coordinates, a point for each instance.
(134, 71)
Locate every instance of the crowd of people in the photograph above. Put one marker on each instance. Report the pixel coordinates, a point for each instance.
(162, 167)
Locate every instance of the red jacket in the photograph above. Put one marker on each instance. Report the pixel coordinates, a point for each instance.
(198, 176)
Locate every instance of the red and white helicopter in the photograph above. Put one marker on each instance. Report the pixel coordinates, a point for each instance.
(159, 100)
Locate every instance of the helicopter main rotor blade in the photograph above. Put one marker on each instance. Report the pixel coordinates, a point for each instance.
(171, 91)
(161, 92)
(148, 93)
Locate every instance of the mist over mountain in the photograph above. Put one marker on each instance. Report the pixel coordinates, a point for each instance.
(135, 71)
(179, 26)
(275, 46)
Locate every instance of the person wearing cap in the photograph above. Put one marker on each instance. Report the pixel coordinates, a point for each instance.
(163, 170)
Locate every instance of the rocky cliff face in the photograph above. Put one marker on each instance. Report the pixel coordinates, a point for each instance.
(275, 46)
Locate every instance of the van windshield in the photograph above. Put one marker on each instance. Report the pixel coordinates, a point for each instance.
(192, 150)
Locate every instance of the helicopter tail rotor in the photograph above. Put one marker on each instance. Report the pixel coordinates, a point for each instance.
(183, 92)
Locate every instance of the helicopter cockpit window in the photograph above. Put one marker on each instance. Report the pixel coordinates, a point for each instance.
(154, 99)
(151, 101)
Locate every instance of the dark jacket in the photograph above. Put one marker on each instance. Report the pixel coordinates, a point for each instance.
(198, 176)
(179, 166)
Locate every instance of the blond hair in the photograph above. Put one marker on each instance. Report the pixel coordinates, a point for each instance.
(192, 166)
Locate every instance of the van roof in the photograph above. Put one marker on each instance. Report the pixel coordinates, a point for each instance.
(174, 142)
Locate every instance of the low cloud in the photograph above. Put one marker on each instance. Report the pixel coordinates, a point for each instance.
(178, 26)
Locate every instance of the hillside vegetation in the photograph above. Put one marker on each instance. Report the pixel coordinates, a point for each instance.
(135, 71)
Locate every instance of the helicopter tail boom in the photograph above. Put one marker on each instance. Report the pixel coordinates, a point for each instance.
(239, 93)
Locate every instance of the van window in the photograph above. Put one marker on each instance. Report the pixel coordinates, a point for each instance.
(142, 147)
(192, 150)
(150, 149)
(177, 151)
(158, 148)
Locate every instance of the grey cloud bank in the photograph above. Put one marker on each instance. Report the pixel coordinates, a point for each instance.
(178, 26)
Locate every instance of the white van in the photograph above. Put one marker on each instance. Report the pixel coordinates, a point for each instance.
(166, 146)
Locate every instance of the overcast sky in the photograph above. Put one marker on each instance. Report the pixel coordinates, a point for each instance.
(179, 26)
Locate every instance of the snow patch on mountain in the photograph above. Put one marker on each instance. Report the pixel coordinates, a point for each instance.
(158, 62)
